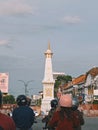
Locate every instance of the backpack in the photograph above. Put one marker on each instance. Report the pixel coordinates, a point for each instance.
(78, 119)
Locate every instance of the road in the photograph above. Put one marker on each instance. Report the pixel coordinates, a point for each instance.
(39, 125)
(91, 123)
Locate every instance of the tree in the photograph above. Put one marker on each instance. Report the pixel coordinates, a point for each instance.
(61, 80)
(8, 99)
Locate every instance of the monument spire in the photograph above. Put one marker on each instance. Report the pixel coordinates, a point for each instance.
(48, 75)
(49, 45)
(48, 81)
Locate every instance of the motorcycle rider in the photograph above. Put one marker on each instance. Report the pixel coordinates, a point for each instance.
(54, 104)
(64, 119)
(23, 115)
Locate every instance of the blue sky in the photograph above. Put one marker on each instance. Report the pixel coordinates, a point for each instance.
(26, 27)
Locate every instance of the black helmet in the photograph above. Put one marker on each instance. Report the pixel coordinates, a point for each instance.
(21, 100)
(0, 98)
(54, 103)
(75, 103)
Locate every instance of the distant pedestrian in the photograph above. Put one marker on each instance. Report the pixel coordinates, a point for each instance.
(6, 122)
(23, 115)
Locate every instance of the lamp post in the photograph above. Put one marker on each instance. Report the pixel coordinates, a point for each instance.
(26, 85)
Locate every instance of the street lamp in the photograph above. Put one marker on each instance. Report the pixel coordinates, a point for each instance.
(26, 85)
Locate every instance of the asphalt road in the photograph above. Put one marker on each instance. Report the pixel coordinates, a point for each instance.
(39, 125)
(91, 123)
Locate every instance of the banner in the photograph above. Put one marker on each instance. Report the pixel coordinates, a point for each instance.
(4, 82)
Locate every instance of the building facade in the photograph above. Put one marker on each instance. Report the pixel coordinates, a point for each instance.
(84, 86)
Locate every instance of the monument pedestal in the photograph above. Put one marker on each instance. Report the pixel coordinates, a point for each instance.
(46, 106)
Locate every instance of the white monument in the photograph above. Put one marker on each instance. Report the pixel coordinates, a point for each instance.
(48, 82)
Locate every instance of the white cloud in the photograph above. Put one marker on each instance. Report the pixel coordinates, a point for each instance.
(71, 19)
(14, 7)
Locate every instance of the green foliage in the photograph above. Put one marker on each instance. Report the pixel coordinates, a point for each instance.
(95, 102)
(38, 103)
(8, 99)
(64, 79)
(61, 80)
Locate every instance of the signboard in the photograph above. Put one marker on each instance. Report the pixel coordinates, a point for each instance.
(96, 92)
(4, 82)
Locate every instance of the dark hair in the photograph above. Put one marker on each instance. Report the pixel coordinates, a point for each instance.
(65, 112)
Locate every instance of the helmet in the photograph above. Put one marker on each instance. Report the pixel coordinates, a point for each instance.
(65, 100)
(0, 98)
(75, 103)
(54, 103)
(21, 100)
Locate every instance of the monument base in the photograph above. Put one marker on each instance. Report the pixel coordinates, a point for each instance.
(45, 106)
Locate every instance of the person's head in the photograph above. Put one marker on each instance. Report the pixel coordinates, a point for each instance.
(65, 103)
(75, 103)
(54, 103)
(21, 100)
(0, 98)
(65, 100)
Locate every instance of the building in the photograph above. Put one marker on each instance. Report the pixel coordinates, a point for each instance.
(84, 86)
(56, 74)
(91, 85)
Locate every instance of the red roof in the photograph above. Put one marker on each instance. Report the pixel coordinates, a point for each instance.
(79, 79)
(93, 71)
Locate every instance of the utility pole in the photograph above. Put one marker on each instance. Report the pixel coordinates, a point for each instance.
(26, 85)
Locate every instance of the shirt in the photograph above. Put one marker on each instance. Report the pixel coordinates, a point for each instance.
(7, 122)
(64, 124)
(23, 117)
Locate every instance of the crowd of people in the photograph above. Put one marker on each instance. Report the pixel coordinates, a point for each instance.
(63, 115)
